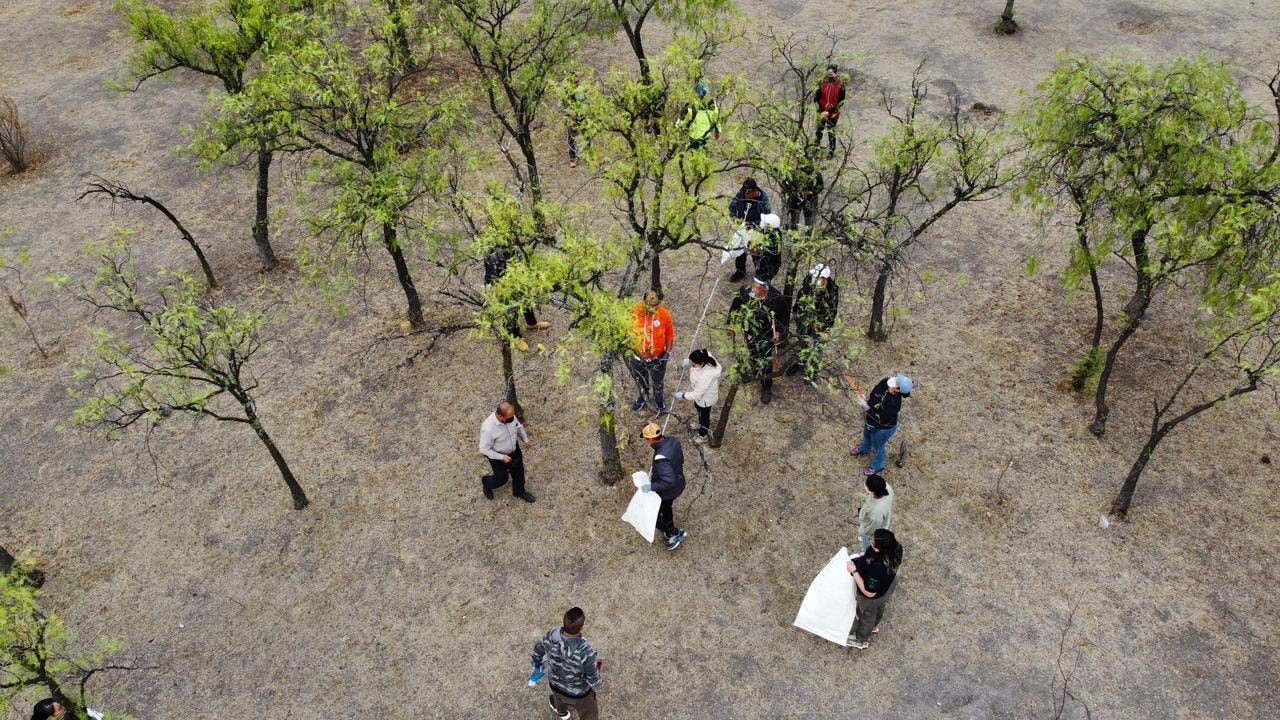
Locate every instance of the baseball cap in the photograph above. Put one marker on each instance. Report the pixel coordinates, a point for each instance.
(902, 383)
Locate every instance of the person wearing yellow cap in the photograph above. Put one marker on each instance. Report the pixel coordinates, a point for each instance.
(667, 479)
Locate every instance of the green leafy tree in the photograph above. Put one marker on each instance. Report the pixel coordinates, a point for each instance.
(1166, 170)
(194, 359)
(520, 48)
(223, 40)
(638, 139)
(920, 170)
(630, 17)
(37, 653)
(378, 126)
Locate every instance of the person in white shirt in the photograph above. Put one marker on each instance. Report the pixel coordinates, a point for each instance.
(500, 436)
(877, 510)
(704, 388)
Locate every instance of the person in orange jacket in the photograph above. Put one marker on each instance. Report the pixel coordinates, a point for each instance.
(654, 336)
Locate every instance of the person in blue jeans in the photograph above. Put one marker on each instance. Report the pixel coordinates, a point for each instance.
(881, 407)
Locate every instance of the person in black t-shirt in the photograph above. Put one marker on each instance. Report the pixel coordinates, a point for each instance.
(881, 408)
(760, 314)
(873, 574)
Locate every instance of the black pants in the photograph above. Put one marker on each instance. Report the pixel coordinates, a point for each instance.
(830, 126)
(667, 518)
(502, 472)
(762, 364)
(529, 319)
(704, 419)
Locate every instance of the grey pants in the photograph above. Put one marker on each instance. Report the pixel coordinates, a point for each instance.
(869, 613)
(649, 375)
(586, 706)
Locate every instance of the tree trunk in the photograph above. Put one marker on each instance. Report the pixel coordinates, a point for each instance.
(611, 459)
(722, 420)
(876, 330)
(1081, 376)
(402, 273)
(1007, 26)
(655, 271)
(525, 141)
(1120, 506)
(261, 237)
(509, 376)
(1099, 425)
(300, 500)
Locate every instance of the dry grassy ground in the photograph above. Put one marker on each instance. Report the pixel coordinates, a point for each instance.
(402, 593)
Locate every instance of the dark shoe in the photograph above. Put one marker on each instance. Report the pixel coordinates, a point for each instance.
(674, 541)
(637, 405)
(551, 700)
(484, 485)
(766, 395)
(737, 276)
(857, 451)
(526, 496)
(662, 409)
(854, 643)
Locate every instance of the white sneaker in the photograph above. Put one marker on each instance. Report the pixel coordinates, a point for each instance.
(700, 439)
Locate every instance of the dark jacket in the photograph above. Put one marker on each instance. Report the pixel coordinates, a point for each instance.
(884, 406)
(816, 311)
(667, 478)
(495, 264)
(757, 320)
(740, 208)
(767, 257)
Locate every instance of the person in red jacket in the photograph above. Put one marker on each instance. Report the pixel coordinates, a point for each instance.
(654, 335)
(829, 97)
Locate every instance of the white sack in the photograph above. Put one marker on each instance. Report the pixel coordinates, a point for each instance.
(737, 244)
(642, 513)
(827, 610)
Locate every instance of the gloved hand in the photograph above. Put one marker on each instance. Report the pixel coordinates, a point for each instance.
(647, 487)
(680, 396)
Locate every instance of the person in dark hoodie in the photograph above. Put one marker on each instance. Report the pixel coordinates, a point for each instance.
(573, 667)
(829, 97)
(760, 313)
(749, 205)
(667, 479)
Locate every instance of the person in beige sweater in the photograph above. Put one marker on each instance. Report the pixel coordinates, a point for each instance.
(877, 509)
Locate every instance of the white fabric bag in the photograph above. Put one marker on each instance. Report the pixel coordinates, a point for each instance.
(642, 513)
(737, 244)
(827, 609)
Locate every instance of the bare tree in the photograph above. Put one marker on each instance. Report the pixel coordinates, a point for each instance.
(13, 135)
(117, 193)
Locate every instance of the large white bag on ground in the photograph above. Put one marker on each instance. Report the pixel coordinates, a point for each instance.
(642, 513)
(737, 244)
(827, 610)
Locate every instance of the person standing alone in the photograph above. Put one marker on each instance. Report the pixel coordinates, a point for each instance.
(574, 668)
(829, 98)
(667, 479)
(881, 407)
(500, 436)
(653, 335)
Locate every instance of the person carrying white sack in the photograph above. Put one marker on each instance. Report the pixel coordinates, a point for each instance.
(704, 388)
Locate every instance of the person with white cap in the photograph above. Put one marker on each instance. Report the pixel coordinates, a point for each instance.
(667, 479)
(760, 313)
(815, 311)
(881, 407)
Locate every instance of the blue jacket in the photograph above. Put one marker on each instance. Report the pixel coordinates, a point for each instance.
(667, 478)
